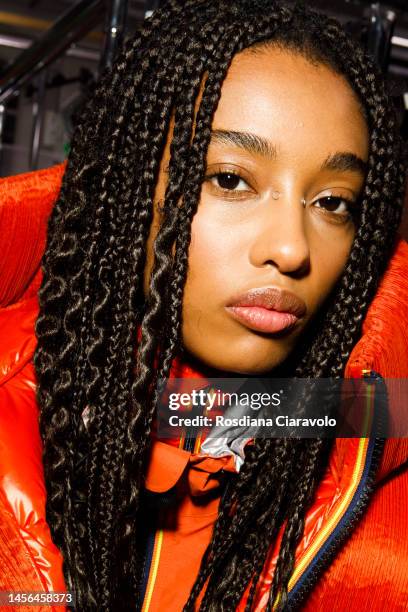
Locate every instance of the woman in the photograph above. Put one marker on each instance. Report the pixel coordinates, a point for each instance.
(240, 157)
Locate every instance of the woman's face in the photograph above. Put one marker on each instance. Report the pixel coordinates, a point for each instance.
(285, 130)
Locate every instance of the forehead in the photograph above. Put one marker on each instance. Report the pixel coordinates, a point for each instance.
(280, 95)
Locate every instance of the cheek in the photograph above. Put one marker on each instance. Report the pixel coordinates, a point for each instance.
(214, 273)
(210, 255)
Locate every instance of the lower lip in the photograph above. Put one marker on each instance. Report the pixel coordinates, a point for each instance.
(263, 319)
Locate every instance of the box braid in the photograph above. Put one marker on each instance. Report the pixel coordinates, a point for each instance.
(76, 182)
(88, 361)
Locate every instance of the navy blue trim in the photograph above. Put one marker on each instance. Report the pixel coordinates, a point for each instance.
(149, 548)
(190, 434)
(348, 515)
(350, 518)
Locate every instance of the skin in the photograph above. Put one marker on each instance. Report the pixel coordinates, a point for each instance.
(245, 237)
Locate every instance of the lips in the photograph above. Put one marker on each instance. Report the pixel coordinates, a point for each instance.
(268, 309)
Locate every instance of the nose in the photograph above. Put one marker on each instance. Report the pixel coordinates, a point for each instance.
(280, 238)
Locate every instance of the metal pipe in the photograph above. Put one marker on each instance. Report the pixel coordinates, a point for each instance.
(38, 120)
(19, 42)
(73, 25)
(114, 31)
(389, 27)
(380, 31)
(399, 41)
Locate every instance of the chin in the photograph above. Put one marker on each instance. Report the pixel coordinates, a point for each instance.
(242, 358)
(254, 370)
(226, 368)
(254, 363)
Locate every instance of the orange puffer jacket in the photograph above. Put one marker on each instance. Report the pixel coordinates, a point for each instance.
(354, 552)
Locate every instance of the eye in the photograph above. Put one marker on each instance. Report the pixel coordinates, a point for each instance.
(228, 181)
(337, 205)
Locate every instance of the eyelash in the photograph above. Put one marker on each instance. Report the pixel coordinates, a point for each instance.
(351, 204)
(226, 173)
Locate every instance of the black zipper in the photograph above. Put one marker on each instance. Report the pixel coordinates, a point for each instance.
(191, 434)
(298, 595)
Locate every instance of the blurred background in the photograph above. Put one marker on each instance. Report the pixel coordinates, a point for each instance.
(52, 51)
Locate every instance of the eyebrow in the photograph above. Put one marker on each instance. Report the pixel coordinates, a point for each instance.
(247, 141)
(345, 161)
(341, 161)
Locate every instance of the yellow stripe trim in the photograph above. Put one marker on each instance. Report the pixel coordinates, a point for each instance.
(158, 541)
(335, 519)
(197, 444)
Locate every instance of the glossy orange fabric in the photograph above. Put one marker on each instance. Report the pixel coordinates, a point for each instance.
(368, 574)
(29, 561)
(26, 201)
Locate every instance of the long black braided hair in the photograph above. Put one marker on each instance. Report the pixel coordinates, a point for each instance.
(88, 361)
